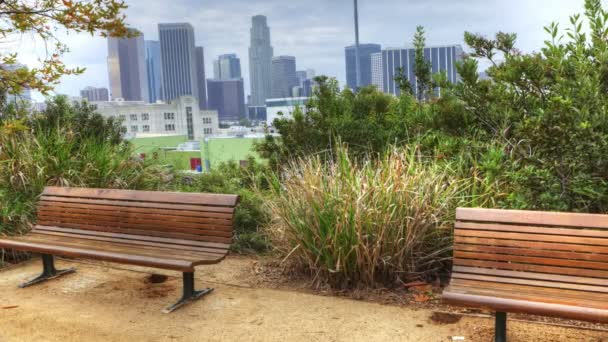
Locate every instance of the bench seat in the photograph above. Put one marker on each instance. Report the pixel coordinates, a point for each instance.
(534, 262)
(173, 254)
(168, 230)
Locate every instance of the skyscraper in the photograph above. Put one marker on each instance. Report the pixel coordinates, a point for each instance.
(201, 81)
(376, 61)
(260, 56)
(95, 94)
(178, 60)
(153, 70)
(228, 98)
(226, 67)
(127, 69)
(284, 78)
(442, 59)
(365, 64)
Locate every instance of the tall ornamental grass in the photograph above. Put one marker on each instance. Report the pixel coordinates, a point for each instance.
(370, 223)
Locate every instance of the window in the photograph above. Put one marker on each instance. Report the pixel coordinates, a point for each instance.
(206, 121)
(134, 128)
(169, 116)
(145, 116)
(189, 123)
(207, 131)
(133, 117)
(146, 128)
(169, 127)
(122, 117)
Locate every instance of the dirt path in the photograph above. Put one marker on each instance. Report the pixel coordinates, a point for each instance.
(115, 303)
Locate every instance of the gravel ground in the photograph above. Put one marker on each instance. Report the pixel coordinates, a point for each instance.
(110, 302)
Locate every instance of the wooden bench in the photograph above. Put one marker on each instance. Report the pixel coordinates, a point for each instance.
(541, 263)
(168, 230)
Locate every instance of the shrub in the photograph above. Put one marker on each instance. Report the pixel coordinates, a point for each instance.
(368, 223)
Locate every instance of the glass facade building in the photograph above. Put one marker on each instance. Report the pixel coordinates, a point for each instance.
(284, 77)
(178, 60)
(93, 94)
(365, 64)
(227, 97)
(127, 69)
(153, 70)
(441, 58)
(260, 56)
(226, 67)
(201, 81)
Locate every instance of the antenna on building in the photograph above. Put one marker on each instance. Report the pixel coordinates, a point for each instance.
(358, 70)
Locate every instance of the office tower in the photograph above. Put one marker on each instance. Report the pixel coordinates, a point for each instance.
(260, 56)
(127, 69)
(226, 67)
(376, 62)
(178, 60)
(227, 97)
(93, 94)
(365, 64)
(201, 81)
(442, 59)
(284, 78)
(153, 70)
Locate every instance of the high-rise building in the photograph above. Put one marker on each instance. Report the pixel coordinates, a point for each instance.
(153, 70)
(226, 67)
(365, 64)
(303, 75)
(127, 68)
(441, 58)
(376, 61)
(201, 81)
(93, 94)
(260, 56)
(227, 97)
(284, 78)
(178, 60)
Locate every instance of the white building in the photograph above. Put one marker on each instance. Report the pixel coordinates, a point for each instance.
(178, 117)
(283, 108)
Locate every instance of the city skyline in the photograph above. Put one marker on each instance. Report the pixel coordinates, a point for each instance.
(318, 32)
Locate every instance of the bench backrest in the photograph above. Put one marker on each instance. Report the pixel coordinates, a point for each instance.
(561, 250)
(188, 216)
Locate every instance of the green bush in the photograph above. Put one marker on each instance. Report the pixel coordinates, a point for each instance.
(369, 222)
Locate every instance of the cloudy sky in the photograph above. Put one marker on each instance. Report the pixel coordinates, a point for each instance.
(316, 31)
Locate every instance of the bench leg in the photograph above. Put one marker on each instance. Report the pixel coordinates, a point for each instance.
(48, 271)
(500, 327)
(190, 294)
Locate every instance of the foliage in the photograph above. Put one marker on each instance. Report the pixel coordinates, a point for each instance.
(250, 184)
(42, 20)
(422, 67)
(369, 222)
(64, 145)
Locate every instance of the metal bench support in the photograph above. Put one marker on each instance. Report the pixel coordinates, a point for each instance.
(48, 271)
(500, 327)
(189, 295)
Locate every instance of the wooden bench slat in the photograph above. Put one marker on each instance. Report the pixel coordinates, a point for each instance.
(133, 209)
(118, 220)
(544, 218)
(531, 260)
(532, 252)
(155, 205)
(531, 275)
(532, 229)
(144, 196)
(195, 243)
(530, 282)
(532, 268)
(125, 227)
(531, 244)
(532, 237)
(214, 251)
(132, 259)
(118, 247)
(163, 234)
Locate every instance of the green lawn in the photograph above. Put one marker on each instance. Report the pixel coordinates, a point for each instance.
(226, 149)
